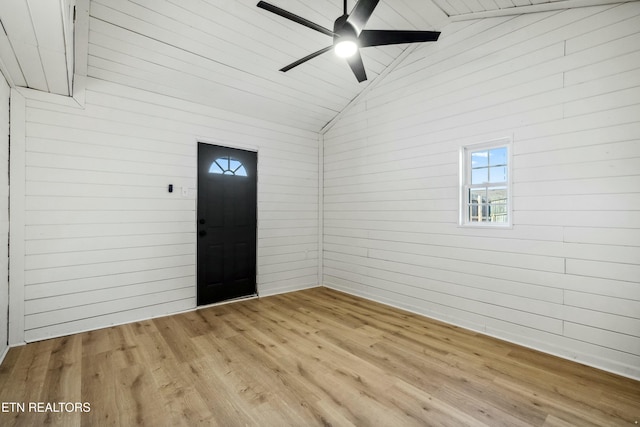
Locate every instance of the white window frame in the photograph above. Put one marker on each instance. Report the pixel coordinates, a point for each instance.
(465, 183)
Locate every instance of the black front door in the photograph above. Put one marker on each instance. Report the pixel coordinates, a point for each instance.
(227, 204)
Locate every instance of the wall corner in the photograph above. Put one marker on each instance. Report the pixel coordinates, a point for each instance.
(17, 144)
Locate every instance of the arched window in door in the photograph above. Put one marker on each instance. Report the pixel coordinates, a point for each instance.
(227, 166)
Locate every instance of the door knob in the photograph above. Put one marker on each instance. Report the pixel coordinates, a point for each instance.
(202, 233)
(202, 221)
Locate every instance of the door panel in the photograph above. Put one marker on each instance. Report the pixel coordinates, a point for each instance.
(227, 205)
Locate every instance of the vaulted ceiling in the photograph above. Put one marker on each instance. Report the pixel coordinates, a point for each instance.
(220, 53)
(36, 44)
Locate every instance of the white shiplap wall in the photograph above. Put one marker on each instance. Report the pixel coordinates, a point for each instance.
(4, 214)
(565, 279)
(106, 243)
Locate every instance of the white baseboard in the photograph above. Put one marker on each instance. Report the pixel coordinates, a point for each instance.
(286, 289)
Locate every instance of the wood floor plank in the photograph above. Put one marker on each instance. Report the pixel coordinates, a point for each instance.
(154, 348)
(25, 382)
(60, 383)
(100, 389)
(185, 406)
(138, 397)
(569, 409)
(221, 389)
(316, 357)
(174, 335)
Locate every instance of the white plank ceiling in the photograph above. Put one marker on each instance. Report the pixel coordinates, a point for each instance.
(220, 53)
(36, 44)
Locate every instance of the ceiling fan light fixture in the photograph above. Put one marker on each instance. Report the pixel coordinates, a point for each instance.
(346, 48)
(349, 34)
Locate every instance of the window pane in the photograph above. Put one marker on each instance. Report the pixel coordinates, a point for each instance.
(228, 166)
(478, 195)
(497, 195)
(473, 213)
(215, 168)
(479, 176)
(498, 212)
(498, 174)
(485, 182)
(479, 159)
(498, 156)
(479, 213)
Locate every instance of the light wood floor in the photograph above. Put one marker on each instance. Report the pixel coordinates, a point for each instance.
(314, 357)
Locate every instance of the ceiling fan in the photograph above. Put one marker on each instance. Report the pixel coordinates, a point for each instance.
(349, 34)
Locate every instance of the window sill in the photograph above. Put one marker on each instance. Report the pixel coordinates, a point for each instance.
(508, 226)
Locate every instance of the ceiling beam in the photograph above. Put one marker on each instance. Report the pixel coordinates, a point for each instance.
(81, 51)
(6, 53)
(542, 7)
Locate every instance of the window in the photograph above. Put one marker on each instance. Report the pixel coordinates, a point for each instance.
(227, 166)
(485, 184)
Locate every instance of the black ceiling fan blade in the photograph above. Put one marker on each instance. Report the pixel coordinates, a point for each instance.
(357, 66)
(294, 18)
(361, 13)
(306, 58)
(385, 37)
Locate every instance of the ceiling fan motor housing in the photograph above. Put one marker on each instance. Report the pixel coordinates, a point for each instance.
(342, 28)
(345, 38)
